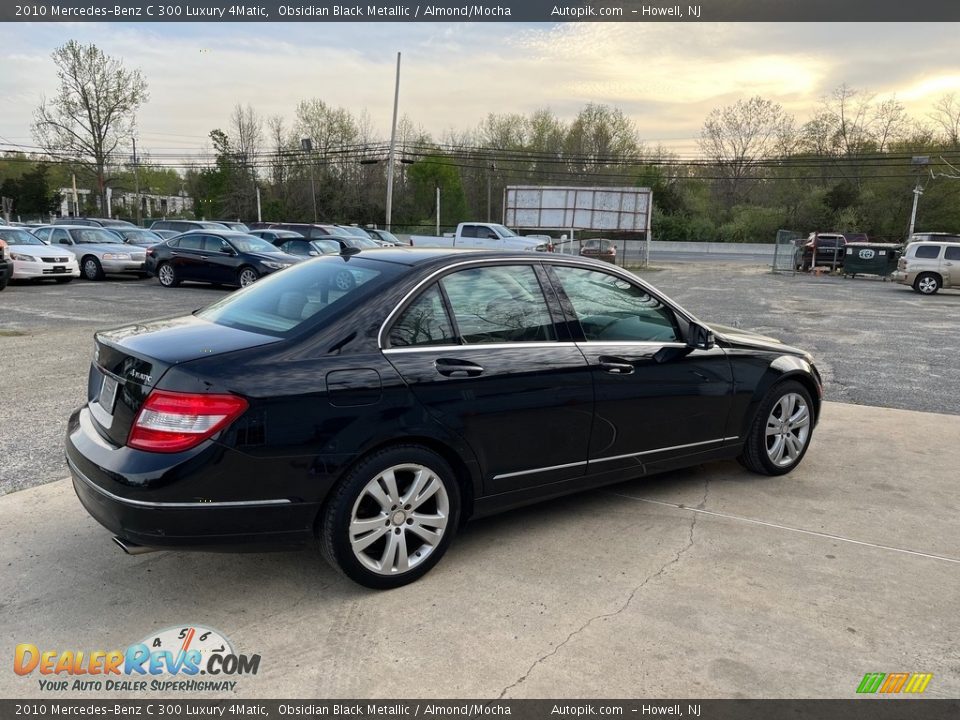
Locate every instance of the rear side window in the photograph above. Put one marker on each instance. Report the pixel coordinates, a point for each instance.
(927, 251)
(424, 322)
(191, 242)
(952, 253)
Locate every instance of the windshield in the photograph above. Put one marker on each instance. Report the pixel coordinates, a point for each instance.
(305, 293)
(504, 231)
(89, 236)
(358, 232)
(251, 243)
(388, 236)
(140, 235)
(327, 247)
(19, 237)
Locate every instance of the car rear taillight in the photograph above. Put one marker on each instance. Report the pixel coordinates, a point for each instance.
(172, 422)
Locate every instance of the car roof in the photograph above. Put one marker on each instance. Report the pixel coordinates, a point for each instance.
(414, 256)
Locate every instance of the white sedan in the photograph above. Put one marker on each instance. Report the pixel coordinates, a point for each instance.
(35, 260)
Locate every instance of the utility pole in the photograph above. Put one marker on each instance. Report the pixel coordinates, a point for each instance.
(393, 143)
(136, 179)
(259, 217)
(918, 161)
(306, 144)
(490, 171)
(76, 201)
(438, 211)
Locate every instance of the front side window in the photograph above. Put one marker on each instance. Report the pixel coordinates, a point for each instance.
(424, 322)
(499, 304)
(611, 309)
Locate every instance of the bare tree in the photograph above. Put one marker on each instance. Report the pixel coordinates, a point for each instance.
(738, 137)
(946, 114)
(93, 112)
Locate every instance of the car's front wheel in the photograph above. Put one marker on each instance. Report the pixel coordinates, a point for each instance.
(91, 268)
(392, 517)
(247, 276)
(781, 430)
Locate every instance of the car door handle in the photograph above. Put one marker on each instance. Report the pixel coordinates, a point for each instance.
(449, 367)
(616, 366)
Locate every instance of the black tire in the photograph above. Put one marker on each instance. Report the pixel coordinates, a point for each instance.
(351, 494)
(167, 275)
(90, 268)
(63, 281)
(756, 453)
(927, 283)
(245, 274)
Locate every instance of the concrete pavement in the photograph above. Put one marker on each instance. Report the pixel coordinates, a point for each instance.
(707, 582)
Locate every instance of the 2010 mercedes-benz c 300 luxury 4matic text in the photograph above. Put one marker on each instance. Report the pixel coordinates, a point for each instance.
(439, 385)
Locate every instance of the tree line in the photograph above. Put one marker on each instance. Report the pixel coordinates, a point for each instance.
(852, 166)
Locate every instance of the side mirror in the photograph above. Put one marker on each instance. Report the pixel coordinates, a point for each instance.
(699, 337)
(227, 251)
(313, 253)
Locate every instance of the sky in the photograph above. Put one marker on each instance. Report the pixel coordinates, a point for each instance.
(666, 77)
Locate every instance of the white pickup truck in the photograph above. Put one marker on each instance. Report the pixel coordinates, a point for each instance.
(487, 236)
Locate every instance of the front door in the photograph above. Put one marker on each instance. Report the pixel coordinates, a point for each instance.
(656, 398)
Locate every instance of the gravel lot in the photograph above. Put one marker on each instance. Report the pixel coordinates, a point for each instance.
(877, 343)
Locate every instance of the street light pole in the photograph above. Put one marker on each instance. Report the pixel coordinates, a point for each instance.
(393, 143)
(136, 178)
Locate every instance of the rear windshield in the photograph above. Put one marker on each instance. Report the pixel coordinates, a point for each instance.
(303, 295)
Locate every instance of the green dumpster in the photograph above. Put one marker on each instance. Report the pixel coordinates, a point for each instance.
(870, 259)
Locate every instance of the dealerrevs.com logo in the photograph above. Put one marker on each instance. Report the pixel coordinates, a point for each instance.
(190, 658)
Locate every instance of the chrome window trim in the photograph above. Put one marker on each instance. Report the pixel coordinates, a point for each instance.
(571, 261)
(174, 505)
(470, 346)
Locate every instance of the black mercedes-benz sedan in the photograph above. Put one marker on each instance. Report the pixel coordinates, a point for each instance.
(221, 257)
(440, 385)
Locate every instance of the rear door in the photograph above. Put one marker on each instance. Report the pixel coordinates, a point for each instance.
(656, 398)
(187, 258)
(484, 353)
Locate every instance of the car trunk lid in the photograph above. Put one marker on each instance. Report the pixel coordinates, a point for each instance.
(130, 361)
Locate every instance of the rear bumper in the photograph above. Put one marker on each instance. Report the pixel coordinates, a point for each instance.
(902, 276)
(151, 509)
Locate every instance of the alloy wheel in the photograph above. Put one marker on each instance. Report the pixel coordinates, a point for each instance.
(398, 519)
(927, 285)
(247, 277)
(788, 429)
(166, 275)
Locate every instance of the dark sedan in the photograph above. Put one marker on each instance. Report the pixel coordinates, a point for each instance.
(442, 385)
(221, 257)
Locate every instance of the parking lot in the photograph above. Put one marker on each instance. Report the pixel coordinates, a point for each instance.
(705, 582)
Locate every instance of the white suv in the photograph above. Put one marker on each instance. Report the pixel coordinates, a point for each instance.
(928, 266)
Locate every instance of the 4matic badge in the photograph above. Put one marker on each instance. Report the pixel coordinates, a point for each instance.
(190, 651)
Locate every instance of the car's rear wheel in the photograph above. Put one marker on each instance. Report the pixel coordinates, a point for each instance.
(781, 430)
(392, 517)
(926, 284)
(247, 276)
(91, 268)
(167, 275)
